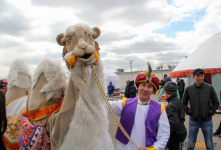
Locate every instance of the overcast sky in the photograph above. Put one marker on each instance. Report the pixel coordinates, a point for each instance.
(152, 31)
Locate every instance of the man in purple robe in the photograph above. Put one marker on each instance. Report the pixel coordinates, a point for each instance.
(143, 119)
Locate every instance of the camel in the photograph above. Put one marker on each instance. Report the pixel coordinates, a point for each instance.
(81, 122)
(19, 83)
(49, 83)
(86, 127)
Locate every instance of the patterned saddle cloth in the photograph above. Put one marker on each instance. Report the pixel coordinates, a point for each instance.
(32, 137)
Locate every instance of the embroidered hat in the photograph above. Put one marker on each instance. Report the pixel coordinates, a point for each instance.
(144, 77)
(170, 88)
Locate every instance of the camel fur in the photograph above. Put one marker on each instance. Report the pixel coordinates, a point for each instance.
(49, 82)
(19, 80)
(87, 129)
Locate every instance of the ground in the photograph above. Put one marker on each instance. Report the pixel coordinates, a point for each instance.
(216, 120)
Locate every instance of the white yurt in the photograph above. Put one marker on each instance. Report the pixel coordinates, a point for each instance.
(207, 57)
(112, 77)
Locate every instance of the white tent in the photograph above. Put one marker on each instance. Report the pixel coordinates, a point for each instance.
(113, 77)
(207, 57)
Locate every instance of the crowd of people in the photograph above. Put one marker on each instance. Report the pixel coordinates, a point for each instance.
(197, 100)
(141, 116)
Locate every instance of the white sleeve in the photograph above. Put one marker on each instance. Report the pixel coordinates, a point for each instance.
(163, 133)
(116, 106)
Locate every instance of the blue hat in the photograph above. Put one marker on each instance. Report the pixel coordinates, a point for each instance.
(167, 79)
(110, 82)
(170, 88)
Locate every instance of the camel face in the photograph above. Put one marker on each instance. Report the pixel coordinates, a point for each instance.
(80, 40)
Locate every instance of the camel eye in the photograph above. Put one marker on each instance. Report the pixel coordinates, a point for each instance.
(68, 41)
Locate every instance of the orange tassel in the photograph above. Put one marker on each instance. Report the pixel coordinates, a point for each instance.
(96, 55)
(72, 60)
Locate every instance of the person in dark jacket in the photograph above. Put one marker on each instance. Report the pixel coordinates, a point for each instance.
(133, 90)
(176, 116)
(127, 90)
(199, 94)
(3, 119)
(181, 87)
(162, 82)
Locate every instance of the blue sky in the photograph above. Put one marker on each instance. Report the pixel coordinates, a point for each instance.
(184, 25)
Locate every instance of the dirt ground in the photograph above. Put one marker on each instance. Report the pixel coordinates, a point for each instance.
(216, 120)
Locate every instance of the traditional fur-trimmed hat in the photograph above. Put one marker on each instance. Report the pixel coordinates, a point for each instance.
(148, 77)
(170, 88)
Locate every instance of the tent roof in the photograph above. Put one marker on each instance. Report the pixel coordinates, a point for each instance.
(207, 57)
(109, 73)
(111, 76)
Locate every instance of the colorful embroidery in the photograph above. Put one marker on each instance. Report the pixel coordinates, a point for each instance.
(184, 73)
(42, 112)
(32, 137)
(12, 126)
(10, 145)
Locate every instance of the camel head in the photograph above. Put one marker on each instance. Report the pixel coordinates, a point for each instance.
(19, 80)
(19, 75)
(79, 43)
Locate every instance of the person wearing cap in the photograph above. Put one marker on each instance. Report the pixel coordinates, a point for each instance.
(176, 115)
(162, 82)
(167, 79)
(143, 119)
(200, 95)
(110, 88)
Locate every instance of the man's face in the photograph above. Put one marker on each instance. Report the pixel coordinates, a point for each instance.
(198, 78)
(110, 83)
(145, 90)
(127, 83)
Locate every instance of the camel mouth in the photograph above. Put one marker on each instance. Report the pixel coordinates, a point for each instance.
(86, 57)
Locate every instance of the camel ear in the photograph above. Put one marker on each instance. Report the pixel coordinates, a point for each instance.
(61, 39)
(96, 33)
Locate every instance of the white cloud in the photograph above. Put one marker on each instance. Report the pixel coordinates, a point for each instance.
(28, 29)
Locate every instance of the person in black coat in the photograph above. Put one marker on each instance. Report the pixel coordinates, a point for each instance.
(181, 87)
(3, 119)
(133, 90)
(176, 116)
(127, 90)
